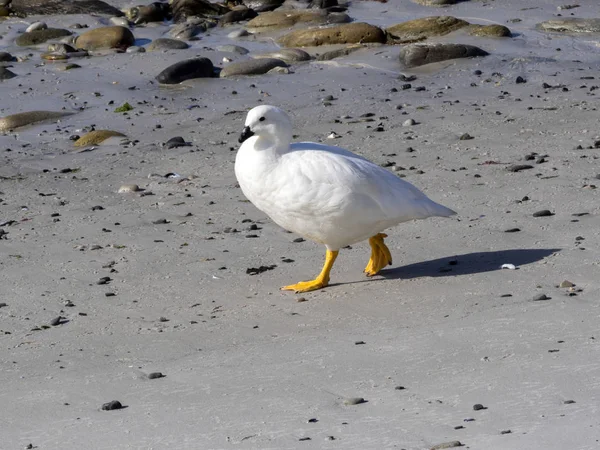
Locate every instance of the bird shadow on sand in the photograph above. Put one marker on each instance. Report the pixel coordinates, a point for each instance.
(468, 263)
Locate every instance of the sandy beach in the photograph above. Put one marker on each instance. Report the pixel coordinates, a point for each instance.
(101, 288)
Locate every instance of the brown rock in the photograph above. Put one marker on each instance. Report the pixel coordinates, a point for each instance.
(414, 55)
(285, 19)
(351, 33)
(95, 137)
(489, 31)
(420, 29)
(105, 37)
(27, 118)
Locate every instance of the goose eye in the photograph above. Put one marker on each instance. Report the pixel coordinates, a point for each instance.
(262, 119)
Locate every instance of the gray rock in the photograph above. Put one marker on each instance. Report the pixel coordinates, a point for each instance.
(6, 57)
(414, 55)
(167, 44)
(572, 25)
(186, 70)
(40, 36)
(251, 67)
(6, 74)
(192, 28)
(115, 404)
(233, 49)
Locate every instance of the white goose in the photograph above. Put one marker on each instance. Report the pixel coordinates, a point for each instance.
(323, 193)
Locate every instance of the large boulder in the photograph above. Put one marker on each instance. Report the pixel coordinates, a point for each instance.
(350, 33)
(414, 55)
(47, 7)
(105, 37)
(421, 29)
(573, 25)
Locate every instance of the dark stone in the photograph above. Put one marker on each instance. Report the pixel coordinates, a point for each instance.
(478, 407)
(261, 269)
(155, 375)
(112, 405)
(238, 15)
(175, 142)
(518, 167)
(414, 55)
(520, 80)
(55, 321)
(6, 74)
(256, 66)
(51, 7)
(512, 230)
(543, 213)
(40, 36)
(6, 57)
(186, 70)
(322, 4)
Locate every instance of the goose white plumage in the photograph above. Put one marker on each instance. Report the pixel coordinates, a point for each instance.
(323, 193)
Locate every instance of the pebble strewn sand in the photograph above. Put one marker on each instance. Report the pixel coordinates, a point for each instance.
(140, 303)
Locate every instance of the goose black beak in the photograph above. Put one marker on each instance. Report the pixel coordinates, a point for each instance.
(246, 133)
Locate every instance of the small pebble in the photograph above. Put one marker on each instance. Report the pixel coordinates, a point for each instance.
(128, 188)
(478, 407)
(55, 321)
(354, 401)
(505, 432)
(466, 137)
(444, 445)
(543, 213)
(115, 404)
(408, 123)
(569, 402)
(155, 375)
(566, 284)
(540, 297)
(520, 80)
